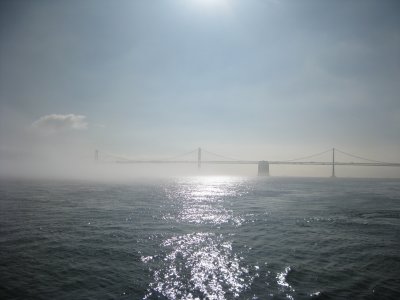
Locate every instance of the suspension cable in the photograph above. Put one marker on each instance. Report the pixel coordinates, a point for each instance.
(116, 156)
(180, 155)
(359, 157)
(310, 156)
(219, 155)
(166, 159)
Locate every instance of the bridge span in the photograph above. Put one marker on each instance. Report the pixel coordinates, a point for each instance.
(263, 165)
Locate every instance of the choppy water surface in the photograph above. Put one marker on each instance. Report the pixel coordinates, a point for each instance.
(201, 238)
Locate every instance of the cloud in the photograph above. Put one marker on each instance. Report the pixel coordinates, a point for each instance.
(59, 123)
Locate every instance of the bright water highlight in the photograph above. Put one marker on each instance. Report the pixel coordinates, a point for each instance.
(201, 238)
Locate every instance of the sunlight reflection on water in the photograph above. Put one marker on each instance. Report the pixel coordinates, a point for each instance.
(282, 281)
(201, 200)
(200, 265)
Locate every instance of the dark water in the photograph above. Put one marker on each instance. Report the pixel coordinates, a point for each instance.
(201, 238)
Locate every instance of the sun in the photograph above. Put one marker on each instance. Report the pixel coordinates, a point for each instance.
(211, 4)
(207, 2)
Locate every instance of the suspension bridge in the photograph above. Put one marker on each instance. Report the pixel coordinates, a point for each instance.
(195, 157)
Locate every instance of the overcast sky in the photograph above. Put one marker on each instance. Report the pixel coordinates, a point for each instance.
(252, 79)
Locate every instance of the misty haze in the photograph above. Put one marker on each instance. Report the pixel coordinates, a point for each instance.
(199, 149)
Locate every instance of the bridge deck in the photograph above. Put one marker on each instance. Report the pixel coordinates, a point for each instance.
(255, 162)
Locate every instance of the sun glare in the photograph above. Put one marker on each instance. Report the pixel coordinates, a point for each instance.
(211, 4)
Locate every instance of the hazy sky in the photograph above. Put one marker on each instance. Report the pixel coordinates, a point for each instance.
(253, 79)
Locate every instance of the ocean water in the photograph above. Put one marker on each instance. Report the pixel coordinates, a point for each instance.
(201, 238)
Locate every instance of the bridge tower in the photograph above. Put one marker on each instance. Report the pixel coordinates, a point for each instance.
(263, 168)
(199, 158)
(96, 155)
(333, 163)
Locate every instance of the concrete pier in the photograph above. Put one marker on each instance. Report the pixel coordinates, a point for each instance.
(263, 168)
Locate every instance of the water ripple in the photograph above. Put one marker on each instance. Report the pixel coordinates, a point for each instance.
(202, 200)
(282, 282)
(199, 266)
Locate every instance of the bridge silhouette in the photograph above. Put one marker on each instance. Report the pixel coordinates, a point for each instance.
(263, 165)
